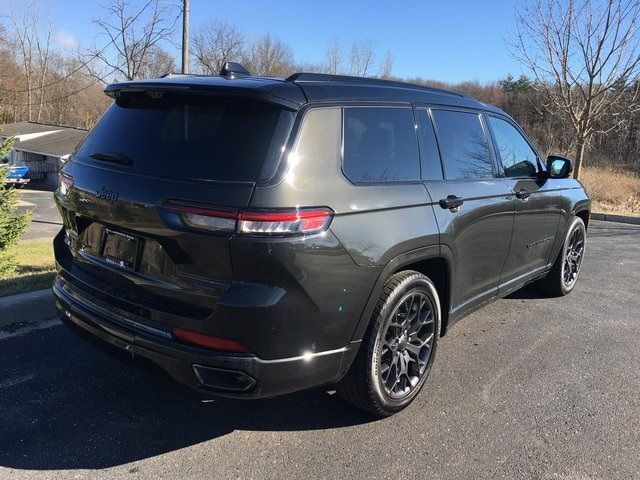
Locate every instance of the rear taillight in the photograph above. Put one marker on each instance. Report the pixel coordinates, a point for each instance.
(204, 218)
(304, 221)
(65, 182)
(208, 341)
(300, 221)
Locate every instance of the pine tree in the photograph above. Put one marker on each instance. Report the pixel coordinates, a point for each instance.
(12, 223)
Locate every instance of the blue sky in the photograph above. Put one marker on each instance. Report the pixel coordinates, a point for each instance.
(442, 40)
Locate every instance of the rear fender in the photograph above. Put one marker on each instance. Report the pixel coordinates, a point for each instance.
(396, 264)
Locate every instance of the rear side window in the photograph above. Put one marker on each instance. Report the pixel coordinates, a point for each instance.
(429, 154)
(380, 145)
(518, 158)
(463, 145)
(191, 136)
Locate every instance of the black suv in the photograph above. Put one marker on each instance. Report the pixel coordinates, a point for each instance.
(257, 236)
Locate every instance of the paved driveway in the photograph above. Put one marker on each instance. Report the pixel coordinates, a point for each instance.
(45, 220)
(528, 387)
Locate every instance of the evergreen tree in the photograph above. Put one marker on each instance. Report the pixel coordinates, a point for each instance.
(12, 223)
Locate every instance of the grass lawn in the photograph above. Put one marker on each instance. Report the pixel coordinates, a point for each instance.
(36, 268)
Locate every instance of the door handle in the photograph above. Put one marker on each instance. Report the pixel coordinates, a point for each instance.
(451, 202)
(523, 194)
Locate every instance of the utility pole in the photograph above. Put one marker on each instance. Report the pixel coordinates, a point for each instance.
(185, 36)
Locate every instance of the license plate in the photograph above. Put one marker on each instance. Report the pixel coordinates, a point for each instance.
(121, 249)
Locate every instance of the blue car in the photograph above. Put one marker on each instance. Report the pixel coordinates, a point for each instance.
(18, 175)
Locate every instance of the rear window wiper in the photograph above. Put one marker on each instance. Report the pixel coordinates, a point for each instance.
(112, 157)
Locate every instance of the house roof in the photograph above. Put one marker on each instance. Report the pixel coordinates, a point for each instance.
(57, 144)
(24, 128)
(60, 140)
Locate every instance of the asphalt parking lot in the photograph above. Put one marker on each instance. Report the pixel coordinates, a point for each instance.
(528, 387)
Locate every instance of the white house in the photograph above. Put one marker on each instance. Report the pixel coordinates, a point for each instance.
(42, 147)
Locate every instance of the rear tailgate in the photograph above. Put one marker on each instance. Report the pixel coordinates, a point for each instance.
(123, 245)
(173, 262)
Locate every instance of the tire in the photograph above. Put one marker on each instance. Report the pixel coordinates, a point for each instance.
(560, 281)
(405, 323)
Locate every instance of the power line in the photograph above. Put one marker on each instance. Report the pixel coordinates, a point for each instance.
(84, 64)
(58, 99)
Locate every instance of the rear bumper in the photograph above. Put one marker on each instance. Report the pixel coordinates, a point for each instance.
(238, 376)
(17, 180)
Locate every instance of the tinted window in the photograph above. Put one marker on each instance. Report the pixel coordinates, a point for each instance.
(463, 145)
(518, 158)
(380, 145)
(191, 136)
(429, 154)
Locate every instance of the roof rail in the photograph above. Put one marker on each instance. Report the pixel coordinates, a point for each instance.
(327, 77)
(178, 74)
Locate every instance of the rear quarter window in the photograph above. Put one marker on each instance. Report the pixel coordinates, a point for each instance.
(380, 145)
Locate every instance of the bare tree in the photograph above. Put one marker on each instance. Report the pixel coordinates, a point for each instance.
(386, 66)
(157, 62)
(584, 58)
(23, 40)
(362, 58)
(269, 57)
(133, 36)
(335, 58)
(216, 43)
(74, 97)
(23, 43)
(31, 41)
(319, 67)
(43, 48)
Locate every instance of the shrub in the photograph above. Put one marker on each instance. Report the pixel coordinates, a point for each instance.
(614, 191)
(12, 223)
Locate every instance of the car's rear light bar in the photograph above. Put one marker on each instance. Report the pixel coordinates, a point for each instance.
(208, 341)
(299, 221)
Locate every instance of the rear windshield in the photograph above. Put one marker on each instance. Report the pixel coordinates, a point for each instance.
(190, 136)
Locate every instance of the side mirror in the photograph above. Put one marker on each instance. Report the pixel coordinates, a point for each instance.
(559, 167)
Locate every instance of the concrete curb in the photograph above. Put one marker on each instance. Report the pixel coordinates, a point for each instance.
(27, 307)
(610, 217)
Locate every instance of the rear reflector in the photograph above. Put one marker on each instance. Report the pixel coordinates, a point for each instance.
(65, 182)
(214, 343)
(300, 221)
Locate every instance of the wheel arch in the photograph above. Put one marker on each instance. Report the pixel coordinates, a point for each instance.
(580, 208)
(585, 215)
(434, 261)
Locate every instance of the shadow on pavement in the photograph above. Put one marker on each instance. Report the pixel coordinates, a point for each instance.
(65, 405)
(528, 292)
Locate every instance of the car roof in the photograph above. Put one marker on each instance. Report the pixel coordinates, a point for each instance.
(301, 88)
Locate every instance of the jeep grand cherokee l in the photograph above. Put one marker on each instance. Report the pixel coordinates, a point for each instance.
(257, 236)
